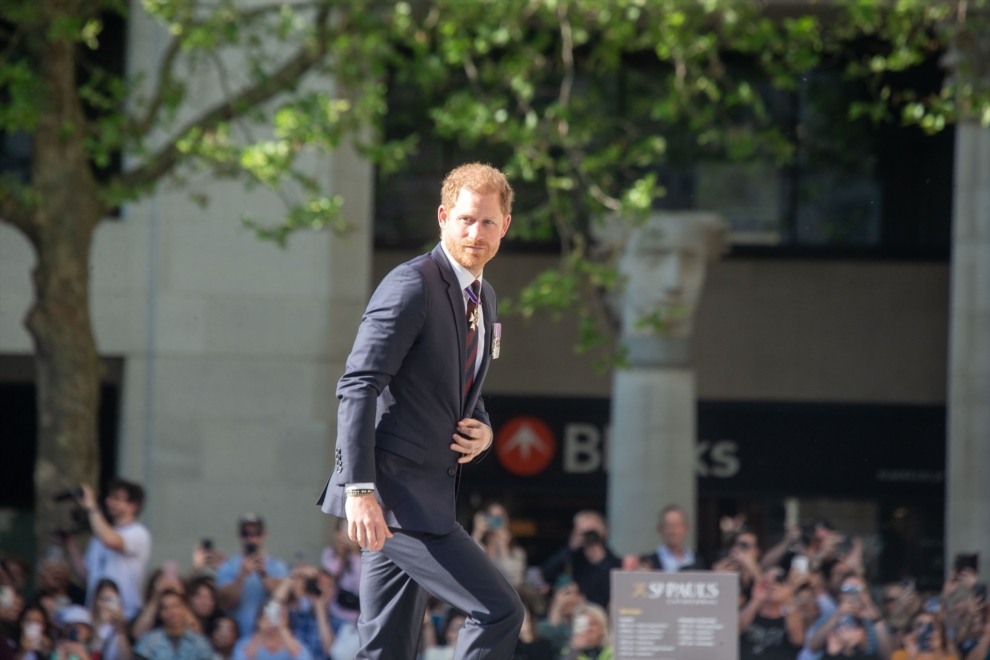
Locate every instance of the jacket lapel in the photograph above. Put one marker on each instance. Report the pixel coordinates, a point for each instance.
(456, 297)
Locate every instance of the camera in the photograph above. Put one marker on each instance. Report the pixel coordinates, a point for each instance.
(591, 538)
(313, 587)
(250, 548)
(78, 516)
(69, 495)
(206, 544)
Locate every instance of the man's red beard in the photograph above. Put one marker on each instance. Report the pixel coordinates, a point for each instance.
(470, 259)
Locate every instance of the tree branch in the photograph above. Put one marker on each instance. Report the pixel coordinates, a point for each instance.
(166, 158)
(144, 125)
(566, 54)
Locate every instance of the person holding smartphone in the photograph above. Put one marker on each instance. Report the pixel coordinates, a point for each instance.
(306, 595)
(36, 638)
(248, 579)
(75, 636)
(175, 638)
(491, 532)
(272, 639)
(926, 640)
(110, 641)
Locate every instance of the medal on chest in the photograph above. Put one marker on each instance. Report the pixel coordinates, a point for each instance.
(496, 340)
(475, 318)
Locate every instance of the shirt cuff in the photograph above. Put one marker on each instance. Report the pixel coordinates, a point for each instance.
(361, 485)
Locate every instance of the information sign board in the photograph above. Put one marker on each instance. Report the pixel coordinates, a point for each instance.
(675, 616)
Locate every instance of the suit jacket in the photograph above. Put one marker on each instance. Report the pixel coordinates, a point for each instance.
(402, 395)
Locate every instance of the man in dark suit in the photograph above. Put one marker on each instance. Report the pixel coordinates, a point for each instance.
(410, 415)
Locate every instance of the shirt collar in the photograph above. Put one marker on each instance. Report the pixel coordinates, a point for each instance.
(464, 276)
(688, 557)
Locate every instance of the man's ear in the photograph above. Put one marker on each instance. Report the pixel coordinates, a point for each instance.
(442, 216)
(505, 226)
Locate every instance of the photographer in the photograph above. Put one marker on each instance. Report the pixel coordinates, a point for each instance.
(771, 627)
(159, 582)
(273, 639)
(175, 639)
(925, 641)
(120, 547)
(247, 580)
(854, 600)
(743, 558)
(587, 556)
(848, 641)
(307, 594)
(491, 532)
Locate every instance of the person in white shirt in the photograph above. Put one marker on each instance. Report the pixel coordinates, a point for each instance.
(120, 547)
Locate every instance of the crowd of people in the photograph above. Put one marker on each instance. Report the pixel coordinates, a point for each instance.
(806, 598)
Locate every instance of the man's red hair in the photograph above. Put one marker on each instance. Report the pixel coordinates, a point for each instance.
(480, 178)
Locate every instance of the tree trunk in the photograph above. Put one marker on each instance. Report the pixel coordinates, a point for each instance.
(61, 229)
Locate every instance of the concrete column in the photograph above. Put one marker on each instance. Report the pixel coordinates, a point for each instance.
(967, 516)
(653, 437)
(652, 453)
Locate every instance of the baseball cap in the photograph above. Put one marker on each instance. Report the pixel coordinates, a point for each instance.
(75, 614)
(251, 518)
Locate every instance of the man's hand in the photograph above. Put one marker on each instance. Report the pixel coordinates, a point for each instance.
(88, 499)
(472, 438)
(365, 522)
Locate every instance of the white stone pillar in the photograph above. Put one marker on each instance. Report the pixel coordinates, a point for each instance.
(967, 516)
(653, 435)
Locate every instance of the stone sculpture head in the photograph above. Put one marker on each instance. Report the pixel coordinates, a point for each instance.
(664, 265)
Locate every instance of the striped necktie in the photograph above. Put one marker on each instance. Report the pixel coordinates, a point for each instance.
(474, 299)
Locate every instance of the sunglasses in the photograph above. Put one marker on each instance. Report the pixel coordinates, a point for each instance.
(250, 534)
(742, 545)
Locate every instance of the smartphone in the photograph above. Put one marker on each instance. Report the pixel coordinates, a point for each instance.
(6, 596)
(980, 591)
(933, 605)
(925, 637)
(113, 602)
(170, 568)
(908, 584)
(273, 612)
(852, 592)
(250, 548)
(206, 544)
(32, 631)
(494, 522)
(800, 563)
(73, 634)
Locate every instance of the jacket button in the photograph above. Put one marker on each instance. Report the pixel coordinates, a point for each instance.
(451, 472)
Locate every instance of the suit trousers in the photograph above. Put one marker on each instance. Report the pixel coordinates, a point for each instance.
(394, 586)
